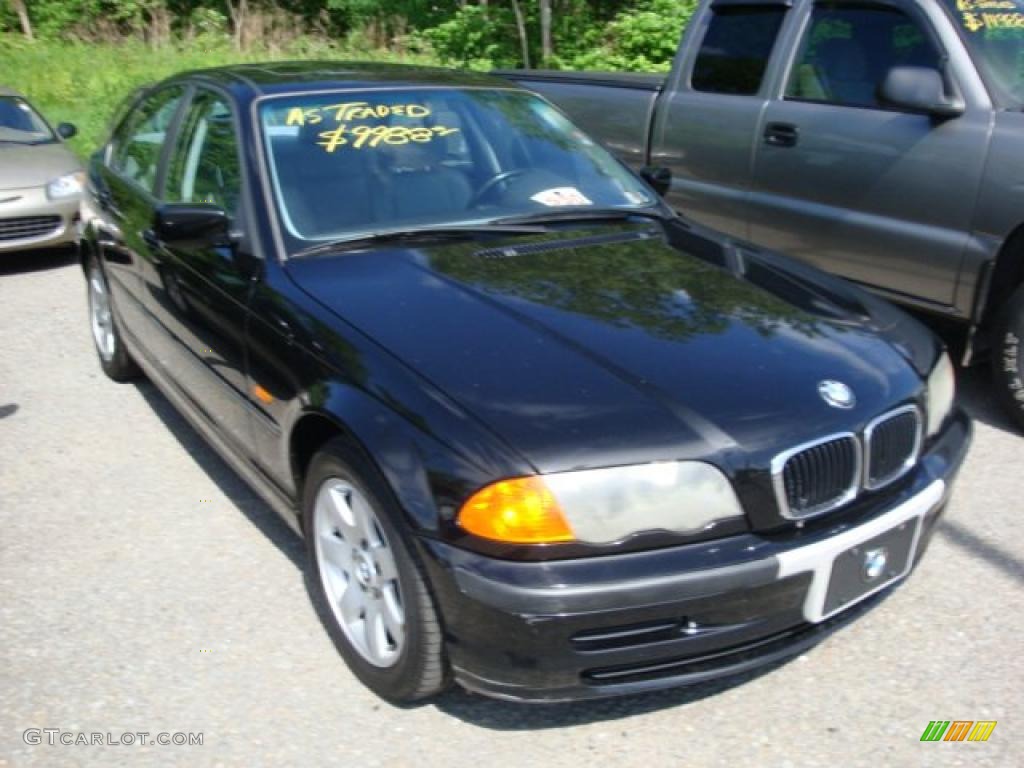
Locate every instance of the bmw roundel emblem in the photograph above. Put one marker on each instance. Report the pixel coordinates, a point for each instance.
(875, 561)
(836, 394)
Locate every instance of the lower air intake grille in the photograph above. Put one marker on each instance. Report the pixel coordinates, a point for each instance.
(892, 444)
(22, 227)
(815, 478)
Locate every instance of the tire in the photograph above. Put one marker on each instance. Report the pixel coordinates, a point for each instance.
(114, 357)
(1008, 357)
(399, 661)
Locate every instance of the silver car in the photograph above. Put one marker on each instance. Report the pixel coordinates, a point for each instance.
(41, 180)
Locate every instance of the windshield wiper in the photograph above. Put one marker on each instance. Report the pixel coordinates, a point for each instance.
(456, 231)
(584, 214)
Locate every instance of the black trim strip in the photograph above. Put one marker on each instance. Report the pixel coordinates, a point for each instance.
(747, 3)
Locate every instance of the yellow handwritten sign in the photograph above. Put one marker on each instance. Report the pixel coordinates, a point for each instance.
(986, 5)
(977, 21)
(352, 131)
(354, 110)
(373, 136)
(972, 22)
(1004, 20)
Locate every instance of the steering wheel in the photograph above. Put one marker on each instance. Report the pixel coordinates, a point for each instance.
(494, 181)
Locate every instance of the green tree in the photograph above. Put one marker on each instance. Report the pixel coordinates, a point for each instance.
(643, 38)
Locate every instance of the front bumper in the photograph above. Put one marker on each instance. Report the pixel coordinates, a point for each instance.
(641, 621)
(29, 220)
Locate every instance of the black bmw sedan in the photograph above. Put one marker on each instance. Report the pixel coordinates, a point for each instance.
(543, 436)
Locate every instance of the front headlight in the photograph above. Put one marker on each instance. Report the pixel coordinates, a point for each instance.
(68, 185)
(941, 392)
(600, 506)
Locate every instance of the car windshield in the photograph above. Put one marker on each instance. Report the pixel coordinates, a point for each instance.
(20, 124)
(994, 31)
(347, 163)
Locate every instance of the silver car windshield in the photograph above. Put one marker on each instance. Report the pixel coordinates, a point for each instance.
(994, 31)
(20, 124)
(357, 162)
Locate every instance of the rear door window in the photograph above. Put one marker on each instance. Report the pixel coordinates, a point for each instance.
(847, 52)
(138, 142)
(735, 51)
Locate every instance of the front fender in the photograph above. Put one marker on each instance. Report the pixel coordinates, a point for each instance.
(314, 366)
(429, 477)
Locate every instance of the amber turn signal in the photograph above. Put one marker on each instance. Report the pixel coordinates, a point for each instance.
(517, 511)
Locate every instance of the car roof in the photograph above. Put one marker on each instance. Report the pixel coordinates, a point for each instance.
(5, 91)
(280, 77)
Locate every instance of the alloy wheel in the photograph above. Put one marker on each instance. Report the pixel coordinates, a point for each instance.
(102, 321)
(358, 572)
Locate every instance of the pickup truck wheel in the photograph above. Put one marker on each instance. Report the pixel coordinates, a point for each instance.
(365, 581)
(115, 360)
(1008, 356)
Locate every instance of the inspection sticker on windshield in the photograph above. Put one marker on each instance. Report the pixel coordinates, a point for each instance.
(561, 196)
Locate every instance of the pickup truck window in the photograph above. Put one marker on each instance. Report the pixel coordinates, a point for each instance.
(735, 51)
(847, 52)
(352, 162)
(994, 32)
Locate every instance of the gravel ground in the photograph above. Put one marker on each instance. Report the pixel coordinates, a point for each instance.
(143, 587)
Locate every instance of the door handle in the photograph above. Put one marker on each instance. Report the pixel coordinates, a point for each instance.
(781, 135)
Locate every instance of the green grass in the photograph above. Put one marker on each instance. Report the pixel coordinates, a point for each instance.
(84, 83)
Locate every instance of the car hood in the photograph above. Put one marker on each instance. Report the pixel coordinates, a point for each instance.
(24, 166)
(611, 345)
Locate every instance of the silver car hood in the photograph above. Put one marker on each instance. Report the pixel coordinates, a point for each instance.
(24, 166)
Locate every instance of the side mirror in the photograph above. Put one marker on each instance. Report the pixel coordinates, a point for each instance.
(66, 130)
(193, 225)
(659, 178)
(919, 89)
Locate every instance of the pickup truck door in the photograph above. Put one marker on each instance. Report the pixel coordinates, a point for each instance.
(707, 119)
(880, 196)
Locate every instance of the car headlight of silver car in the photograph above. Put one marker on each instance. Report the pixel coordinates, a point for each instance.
(941, 392)
(67, 186)
(601, 506)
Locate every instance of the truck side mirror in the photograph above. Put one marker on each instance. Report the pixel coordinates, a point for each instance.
(919, 89)
(66, 130)
(660, 178)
